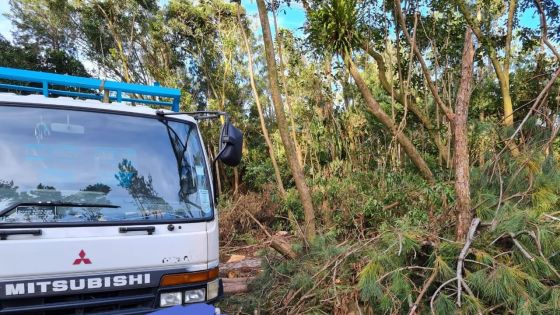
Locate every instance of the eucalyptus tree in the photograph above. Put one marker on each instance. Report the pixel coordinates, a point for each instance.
(199, 33)
(378, 45)
(118, 37)
(48, 24)
(43, 37)
(334, 27)
(291, 155)
(264, 128)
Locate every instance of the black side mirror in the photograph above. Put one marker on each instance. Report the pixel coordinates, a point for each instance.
(231, 145)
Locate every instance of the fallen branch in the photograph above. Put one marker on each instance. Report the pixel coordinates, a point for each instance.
(339, 258)
(278, 244)
(462, 255)
(392, 205)
(283, 248)
(427, 284)
(551, 217)
(436, 293)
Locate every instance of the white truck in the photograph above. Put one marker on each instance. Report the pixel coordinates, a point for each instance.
(105, 208)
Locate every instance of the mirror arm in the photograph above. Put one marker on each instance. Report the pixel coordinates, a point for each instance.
(218, 155)
(223, 147)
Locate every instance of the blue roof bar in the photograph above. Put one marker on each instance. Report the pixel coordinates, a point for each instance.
(126, 92)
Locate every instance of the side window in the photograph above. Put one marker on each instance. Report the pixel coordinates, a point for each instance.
(195, 157)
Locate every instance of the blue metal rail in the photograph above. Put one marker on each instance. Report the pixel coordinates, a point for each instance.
(103, 90)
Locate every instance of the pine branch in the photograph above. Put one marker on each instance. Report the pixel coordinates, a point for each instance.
(521, 248)
(470, 292)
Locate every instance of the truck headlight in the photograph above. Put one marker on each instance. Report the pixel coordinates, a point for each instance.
(194, 296)
(213, 289)
(170, 299)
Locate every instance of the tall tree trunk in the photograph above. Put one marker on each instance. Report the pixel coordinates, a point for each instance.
(461, 145)
(264, 129)
(285, 88)
(289, 146)
(508, 105)
(382, 117)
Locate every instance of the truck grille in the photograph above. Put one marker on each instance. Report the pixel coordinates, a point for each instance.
(136, 301)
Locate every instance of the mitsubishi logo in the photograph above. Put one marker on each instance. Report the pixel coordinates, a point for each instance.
(82, 259)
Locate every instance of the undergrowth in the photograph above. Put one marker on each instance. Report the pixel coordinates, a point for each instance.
(409, 263)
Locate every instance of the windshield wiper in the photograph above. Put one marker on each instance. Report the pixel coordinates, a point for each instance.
(55, 204)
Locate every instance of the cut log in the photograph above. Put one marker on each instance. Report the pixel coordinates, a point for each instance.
(283, 248)
(236, 285)
(249, 263)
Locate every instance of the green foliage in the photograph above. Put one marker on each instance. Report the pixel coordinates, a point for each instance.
(511, 267)
(334, 27)
(30, 57)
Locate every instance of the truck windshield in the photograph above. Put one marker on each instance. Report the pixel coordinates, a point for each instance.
(71, 166)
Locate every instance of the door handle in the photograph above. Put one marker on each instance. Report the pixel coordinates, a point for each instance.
(5, 233)
(149, 229)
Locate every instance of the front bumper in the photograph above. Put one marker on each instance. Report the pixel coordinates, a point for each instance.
(125, 302)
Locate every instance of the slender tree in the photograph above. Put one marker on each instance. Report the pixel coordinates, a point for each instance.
(289, 146)
(410, 102)
(338, 20)
(264, 129)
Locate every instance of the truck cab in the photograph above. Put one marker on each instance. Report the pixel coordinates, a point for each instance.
(104, 208)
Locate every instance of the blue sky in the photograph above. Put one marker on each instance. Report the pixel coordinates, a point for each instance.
(5, 25)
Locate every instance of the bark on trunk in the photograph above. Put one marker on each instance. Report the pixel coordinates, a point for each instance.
(461, 145)
(289, 146)
(264, 129)
(403, 140)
